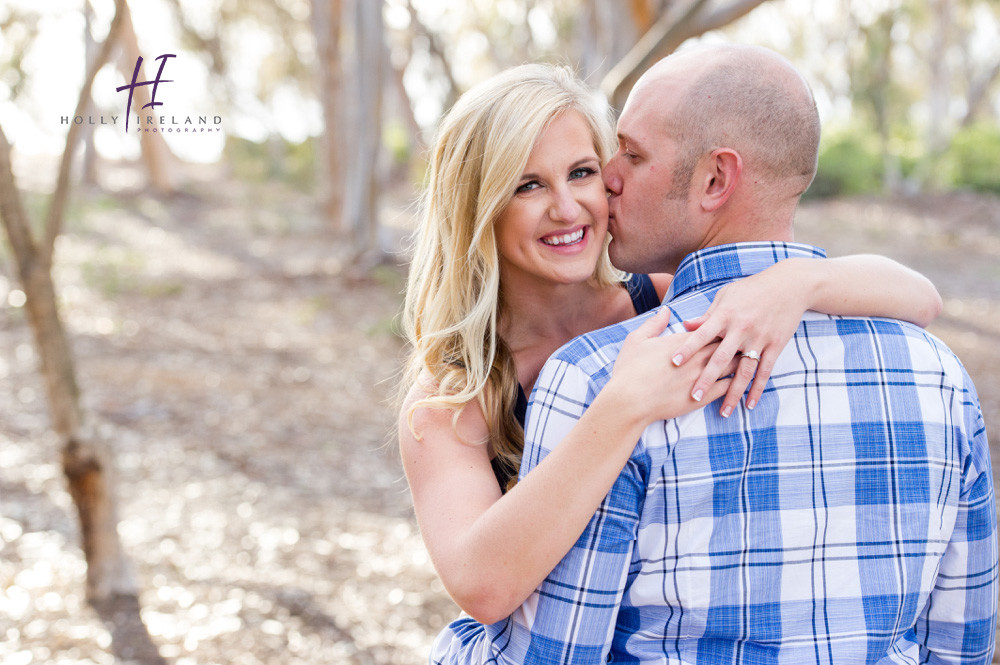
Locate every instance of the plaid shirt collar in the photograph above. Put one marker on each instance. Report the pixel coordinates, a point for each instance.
(716, 265)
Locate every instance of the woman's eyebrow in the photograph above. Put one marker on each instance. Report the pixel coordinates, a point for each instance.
(577, 164)
(584, 160)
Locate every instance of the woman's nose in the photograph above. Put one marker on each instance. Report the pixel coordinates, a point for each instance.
(565, 207)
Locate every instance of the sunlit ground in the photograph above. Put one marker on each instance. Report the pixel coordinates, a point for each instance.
(241, 374)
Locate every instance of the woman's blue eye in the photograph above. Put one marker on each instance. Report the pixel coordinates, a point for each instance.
(527, 187)
(582, 172)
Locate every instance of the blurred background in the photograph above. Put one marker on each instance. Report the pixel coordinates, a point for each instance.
(199, 342)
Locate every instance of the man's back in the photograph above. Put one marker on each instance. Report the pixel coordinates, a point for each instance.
(817, 522)
(848, 518)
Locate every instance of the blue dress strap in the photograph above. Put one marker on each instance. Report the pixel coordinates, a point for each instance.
(521, 406)
(643, 293)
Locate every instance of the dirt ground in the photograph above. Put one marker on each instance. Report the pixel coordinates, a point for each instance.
(243, 372)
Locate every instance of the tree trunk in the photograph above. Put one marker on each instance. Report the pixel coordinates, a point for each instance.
(361, 195)
(938, 96)
(86, 459)
(879, 66)
(669, 32)
(326, 26)
(156, 153)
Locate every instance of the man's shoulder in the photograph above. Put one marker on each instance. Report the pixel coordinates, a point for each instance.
(887, 343)
(917, 338)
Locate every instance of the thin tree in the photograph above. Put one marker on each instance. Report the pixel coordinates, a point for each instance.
(86, 459)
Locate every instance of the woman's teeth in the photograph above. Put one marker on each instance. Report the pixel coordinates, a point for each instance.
(568, 239)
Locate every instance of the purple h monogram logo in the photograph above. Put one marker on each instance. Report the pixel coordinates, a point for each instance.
(155, 82)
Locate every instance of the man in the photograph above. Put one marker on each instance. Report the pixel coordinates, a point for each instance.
(848, 517)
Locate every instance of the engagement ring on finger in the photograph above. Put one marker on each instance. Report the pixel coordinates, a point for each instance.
(752, 355)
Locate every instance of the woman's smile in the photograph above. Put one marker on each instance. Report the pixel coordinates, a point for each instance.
(564, 239)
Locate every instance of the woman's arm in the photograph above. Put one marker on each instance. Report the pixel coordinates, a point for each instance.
(866, 285)
(492, 550)
(857, 285)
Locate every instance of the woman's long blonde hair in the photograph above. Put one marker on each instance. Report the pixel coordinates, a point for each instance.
(453, 297)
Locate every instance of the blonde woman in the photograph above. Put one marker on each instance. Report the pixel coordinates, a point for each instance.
(510, 263)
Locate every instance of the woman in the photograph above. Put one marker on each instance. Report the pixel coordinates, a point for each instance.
(510, 263)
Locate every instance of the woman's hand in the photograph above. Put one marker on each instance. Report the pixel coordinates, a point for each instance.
(757, 314)
(651, 386)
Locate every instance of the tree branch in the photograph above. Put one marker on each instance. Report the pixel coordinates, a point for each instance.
(13, 214)
(663, 37)
(977, 93)
(436, 50)
(668, 33)
(728, 14)
(57, 206)
(212, 44)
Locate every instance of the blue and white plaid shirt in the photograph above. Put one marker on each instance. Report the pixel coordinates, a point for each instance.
(848, 518)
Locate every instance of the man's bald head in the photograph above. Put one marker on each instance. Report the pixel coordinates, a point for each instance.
(743, 97)
(715, 145)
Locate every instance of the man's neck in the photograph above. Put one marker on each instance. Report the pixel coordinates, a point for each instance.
(751, 227)
(764, 218)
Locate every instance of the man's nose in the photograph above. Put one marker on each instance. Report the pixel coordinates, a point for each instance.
(612, 179)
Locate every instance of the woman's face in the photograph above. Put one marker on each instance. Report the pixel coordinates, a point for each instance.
(553, 230)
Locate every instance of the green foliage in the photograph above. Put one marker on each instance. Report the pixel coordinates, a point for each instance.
(396, 138)
(389, 277)
(275, 159)
(114, 271)
(973, 160)
(387, 326)
(909, 148)
(19, 28)
(849, 164)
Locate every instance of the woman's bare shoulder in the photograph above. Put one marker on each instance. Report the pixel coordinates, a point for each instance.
(421, 420)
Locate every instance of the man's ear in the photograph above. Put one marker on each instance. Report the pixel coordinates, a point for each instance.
(723, 169)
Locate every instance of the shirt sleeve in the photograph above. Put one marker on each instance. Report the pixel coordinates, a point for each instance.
(958, 624)
(571, 617)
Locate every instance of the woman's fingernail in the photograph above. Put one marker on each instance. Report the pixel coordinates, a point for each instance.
(751, 403)
(726, 411)
(678, 359)
(697, 395)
